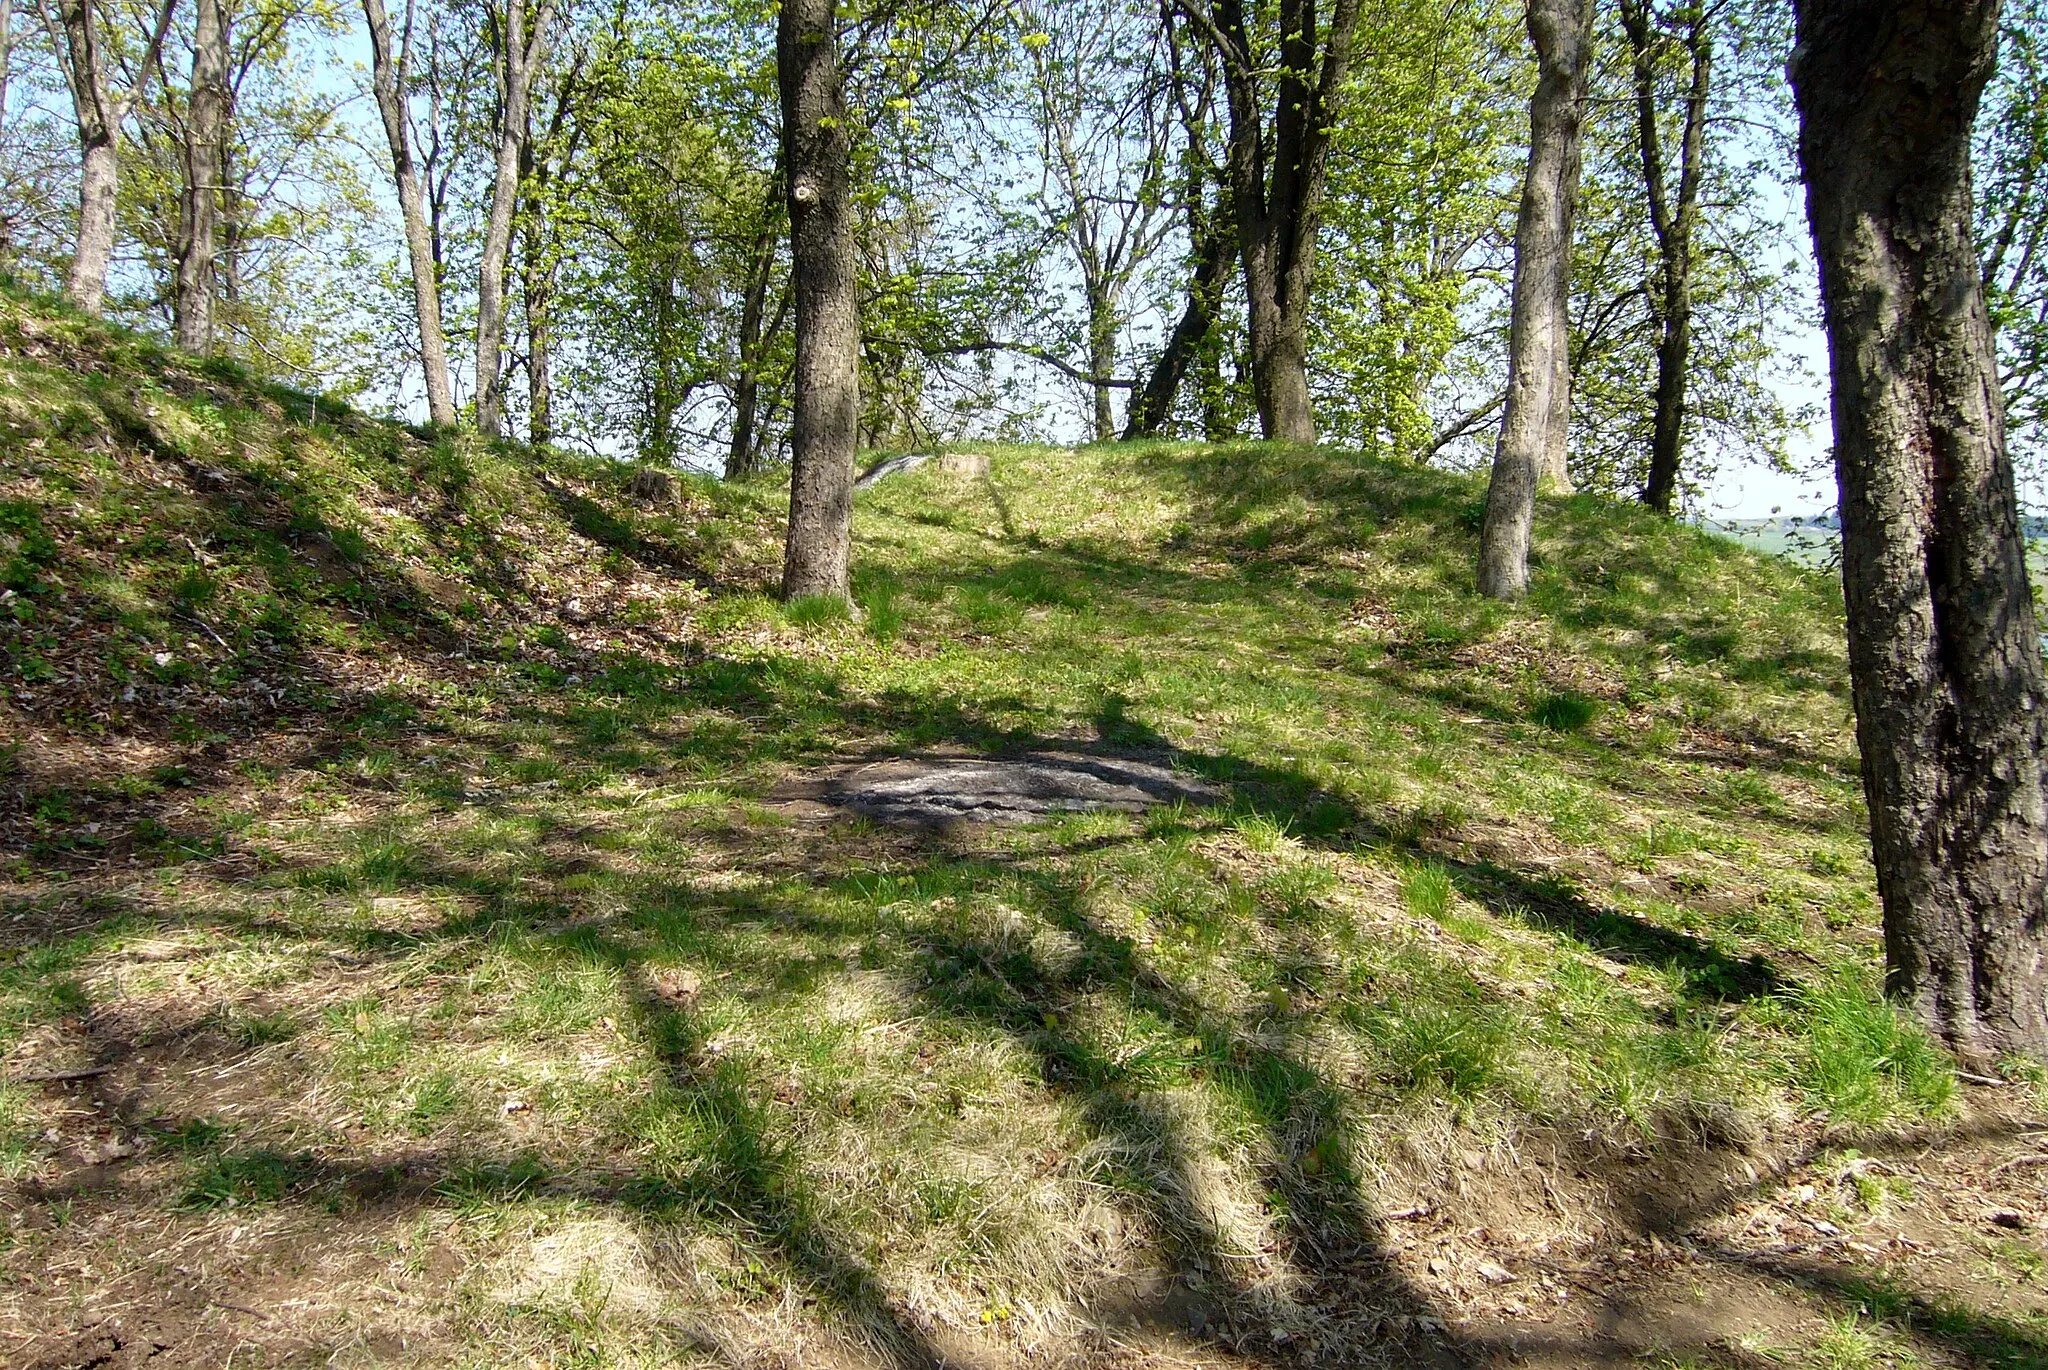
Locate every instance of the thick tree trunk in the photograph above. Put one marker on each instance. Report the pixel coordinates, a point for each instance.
(1667, 419)
(1279, 329)
(100, 114)
(99, 128)
(826, 382)
(205, 121)
(1531, 451)
(1944, 657)
(388, 71)
(99, 189)
(519, 57)
(1216, 244)
(1673, 225)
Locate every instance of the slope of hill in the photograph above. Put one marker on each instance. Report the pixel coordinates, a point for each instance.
(425, 942)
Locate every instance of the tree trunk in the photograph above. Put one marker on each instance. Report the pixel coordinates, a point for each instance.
(746, 389)
(388, 79)
(520, 51)
(1673, 226)
(658, 448)
(1102, 359)
(99, 189)
(1944, 658)
(205, 122)
(826, 381)
(1216, 243)
(1278, 328)
(538, 278)
(1279, 209)
(99, 129)
(1531, 451)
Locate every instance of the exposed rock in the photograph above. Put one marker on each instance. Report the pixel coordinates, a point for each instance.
(1009, 789)
(653, 486)
(966, 465)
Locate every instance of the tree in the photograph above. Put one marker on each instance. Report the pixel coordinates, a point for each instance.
(2011, 164)
(1098, 102)
(1683, 269)
(1531, 450)
(1211, 228)
(520, 43)
(743, 455)
(1406, 344)
(1674, 209)
(1278, 173)
(390, 71)
(100, 112)
(206, 116)
(546, 166)
(825, 388)
(1944, 658)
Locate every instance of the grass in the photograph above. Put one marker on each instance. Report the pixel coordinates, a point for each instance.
(438, 789)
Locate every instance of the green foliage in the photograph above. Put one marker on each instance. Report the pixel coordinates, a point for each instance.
(1865, 1061)
(1746, 278)
(26, 547)
(1564, 711)
(1421, 194)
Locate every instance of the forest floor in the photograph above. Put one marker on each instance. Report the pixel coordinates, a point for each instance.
(422, 940)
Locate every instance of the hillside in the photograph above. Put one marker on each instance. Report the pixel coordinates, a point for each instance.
(427, 940)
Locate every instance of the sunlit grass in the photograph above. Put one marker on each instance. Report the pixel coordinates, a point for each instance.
(543, 918)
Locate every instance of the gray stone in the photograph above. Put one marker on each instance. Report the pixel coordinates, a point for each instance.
(965, 465)
(1008, 789)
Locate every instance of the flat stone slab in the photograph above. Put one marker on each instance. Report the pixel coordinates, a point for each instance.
(966, 465)
(1022, 788)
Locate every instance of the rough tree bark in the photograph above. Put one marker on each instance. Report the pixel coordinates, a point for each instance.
(1944, 658)
(1673, 225)
(1531, 451)
(99, 113)
(1278, 176)
(206, 113)
(389, 71)
(825, 385)
(520, 50)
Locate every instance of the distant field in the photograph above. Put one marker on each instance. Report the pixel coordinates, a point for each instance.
(1813, 544)
(1803, 541)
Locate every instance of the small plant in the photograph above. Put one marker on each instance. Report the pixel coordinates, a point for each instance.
(25, 547)
(817, 611)
(1850, 1343)
(1865, 1062)
(1827, 862)
(1426, 890)
(882, 610)
(1564, 712)
(246, 1178)
(1262, 834)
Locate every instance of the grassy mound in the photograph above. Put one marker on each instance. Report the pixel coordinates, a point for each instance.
(410, 913)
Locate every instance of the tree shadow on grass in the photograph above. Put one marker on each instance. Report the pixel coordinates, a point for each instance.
(1352, 1301)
